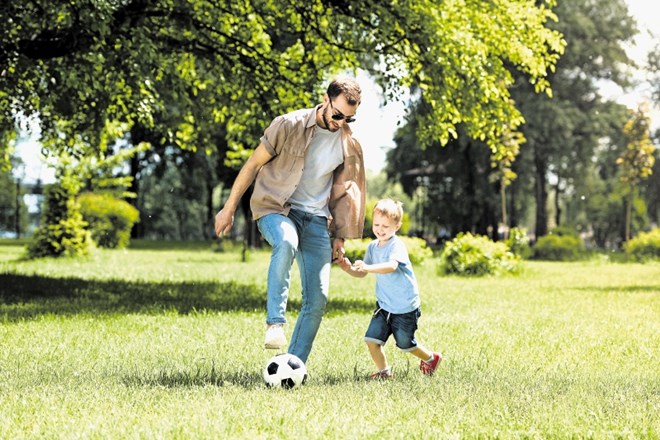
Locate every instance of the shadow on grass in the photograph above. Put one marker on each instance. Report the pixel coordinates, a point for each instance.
(620, 289)
(203, 376)
(27, 297)
(196, 378)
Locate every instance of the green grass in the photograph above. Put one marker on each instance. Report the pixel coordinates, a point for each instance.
(154, 342)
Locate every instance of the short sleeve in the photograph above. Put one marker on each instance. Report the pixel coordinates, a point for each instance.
(275, 136)
(400, 253)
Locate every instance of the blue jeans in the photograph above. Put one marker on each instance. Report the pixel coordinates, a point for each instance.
(306, 238)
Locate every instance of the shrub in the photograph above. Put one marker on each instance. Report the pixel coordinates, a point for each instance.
(110, 219)
(478, 255)
(418, 250)
(559, 248)
(63, 230)
(518, 242)
(645, 246)
(565, 231)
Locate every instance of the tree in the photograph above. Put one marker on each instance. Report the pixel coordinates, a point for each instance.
(637, 160)
(455, 187)
(563, 133)
(191, 63)
(13, 211)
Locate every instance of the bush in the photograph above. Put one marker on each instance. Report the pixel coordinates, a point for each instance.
(555, 247)
(518, 242)
(418, 250)
(477, 255)
(565, 231)
(63, 230)
(110, 219)
(645, 246)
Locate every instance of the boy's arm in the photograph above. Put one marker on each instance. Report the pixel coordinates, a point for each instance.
(382, 268)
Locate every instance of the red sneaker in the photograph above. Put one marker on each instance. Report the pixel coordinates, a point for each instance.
(381, 375)
(428, 368)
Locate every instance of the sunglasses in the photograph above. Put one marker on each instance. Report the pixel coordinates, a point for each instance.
(339, 115)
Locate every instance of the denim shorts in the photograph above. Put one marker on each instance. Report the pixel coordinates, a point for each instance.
(402, 326)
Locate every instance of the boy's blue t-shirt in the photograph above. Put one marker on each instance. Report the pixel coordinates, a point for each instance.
(396, 292)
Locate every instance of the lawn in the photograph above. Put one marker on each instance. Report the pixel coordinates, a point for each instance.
(158, 342)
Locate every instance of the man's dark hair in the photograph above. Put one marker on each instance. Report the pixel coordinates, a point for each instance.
(349, 87)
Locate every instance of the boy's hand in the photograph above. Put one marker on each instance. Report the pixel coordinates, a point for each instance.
(344, 263)
(358, 266)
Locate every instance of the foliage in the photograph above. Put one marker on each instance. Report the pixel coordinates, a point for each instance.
(476, 255)
(62, 232)
(565, 231)
(518, 242)
(562, 246)
(189, 64)
(565, 133)
(562, 136)
(452, 186)
(169, 208)
(109, 219)
(418, 250)
(645, 246)
(637, 160)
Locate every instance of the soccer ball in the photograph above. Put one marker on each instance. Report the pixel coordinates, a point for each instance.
(285, 370)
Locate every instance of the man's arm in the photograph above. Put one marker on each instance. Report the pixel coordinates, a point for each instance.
(224, 219)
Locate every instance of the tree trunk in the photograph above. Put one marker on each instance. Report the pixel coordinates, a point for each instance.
(557, 202)
(505, 221)
(134, 169)
(513, 212)
(541, 194)
(208, 232)
(629, 201)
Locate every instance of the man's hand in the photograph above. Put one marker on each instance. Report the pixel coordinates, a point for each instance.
(224, 220)
(337, 250)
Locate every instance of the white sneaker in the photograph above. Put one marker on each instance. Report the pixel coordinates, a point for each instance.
(275, 338)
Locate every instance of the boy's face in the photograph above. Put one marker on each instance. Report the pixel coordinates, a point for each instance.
(384, 228)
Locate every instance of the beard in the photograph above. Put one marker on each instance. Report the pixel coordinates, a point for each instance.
(325, 120)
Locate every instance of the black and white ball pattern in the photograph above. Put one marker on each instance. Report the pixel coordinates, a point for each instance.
(285, 370)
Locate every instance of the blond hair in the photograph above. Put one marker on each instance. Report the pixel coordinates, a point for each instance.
(391, 209)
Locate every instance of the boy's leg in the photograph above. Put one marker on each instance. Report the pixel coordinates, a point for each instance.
(403, 328)
(378, 355)
(314, 260)
(377, 334)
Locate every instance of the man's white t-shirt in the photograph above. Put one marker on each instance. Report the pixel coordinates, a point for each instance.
(322, 157)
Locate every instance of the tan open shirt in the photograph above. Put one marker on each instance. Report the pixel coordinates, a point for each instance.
(287, 139)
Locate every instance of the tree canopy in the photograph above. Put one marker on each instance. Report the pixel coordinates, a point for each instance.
(572, 140)
(90, 69)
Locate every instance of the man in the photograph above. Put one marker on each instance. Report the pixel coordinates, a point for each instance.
(309, 190)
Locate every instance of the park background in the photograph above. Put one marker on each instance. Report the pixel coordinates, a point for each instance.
(123, 316)
(566, 195)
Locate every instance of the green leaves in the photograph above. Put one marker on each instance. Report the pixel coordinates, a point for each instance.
(243, 62)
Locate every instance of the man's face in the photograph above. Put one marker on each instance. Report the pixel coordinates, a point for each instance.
(337, 111)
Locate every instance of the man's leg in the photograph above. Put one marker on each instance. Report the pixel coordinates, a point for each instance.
(314, 260)
(280, 232)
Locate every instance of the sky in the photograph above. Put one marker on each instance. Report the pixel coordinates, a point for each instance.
(376, 123)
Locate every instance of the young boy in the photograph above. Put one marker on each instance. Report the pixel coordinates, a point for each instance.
(397, 295)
